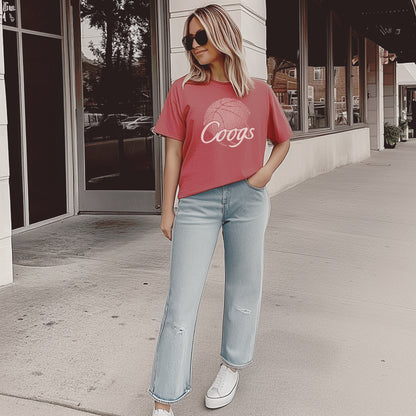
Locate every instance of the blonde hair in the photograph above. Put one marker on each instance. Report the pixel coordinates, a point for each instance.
(226, 37)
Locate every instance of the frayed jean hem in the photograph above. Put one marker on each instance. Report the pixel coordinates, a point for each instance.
(239, 366)
(169, 402)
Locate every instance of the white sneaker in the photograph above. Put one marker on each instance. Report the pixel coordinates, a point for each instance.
(223, 389)
(161, 412)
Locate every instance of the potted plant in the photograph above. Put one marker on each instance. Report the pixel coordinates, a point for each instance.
(391, 135)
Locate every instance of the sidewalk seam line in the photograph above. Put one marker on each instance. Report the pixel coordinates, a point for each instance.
(56, 403)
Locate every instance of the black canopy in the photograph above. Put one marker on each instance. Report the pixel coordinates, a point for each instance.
(389, 23)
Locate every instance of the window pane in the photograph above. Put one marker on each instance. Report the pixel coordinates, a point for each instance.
(44, 15)
(45, 134)
(117, 89)
(317, 65)
(9, 13)
(13, 127)
(355, 80)
(283, 56)
(340, 44)
(411, 108)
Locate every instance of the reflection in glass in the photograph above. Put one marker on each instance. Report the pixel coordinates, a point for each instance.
(45, 132)
(340, 45)
(283, 56)
(9, 13)
(13, 127)
(411, 108)
(42, 16)
(317, 65)
(117, 88)
(355, 80)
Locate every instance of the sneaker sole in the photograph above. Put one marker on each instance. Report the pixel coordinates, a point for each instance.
(215, 403)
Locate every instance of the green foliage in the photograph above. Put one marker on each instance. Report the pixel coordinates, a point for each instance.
(391, 135)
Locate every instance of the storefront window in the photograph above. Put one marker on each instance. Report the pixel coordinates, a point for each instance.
(317, 66)
(355, 80)
(45, 126)
(340, 44)
(13, 126)
(42, 16)
(117, 92)
(411, 108)
(41, 169)
(283, 57)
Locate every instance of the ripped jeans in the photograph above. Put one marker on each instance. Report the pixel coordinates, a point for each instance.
(242, 211)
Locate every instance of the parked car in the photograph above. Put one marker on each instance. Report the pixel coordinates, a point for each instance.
(92, 119)
(138, 124)
(109, 126)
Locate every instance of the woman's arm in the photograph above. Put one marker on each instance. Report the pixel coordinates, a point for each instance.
(173, 163)
(264, 174)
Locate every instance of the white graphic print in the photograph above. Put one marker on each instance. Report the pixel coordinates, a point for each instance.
(225, 122)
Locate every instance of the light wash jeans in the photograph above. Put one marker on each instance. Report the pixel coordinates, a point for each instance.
(243, 212)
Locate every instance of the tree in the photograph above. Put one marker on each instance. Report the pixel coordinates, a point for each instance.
(125, 45)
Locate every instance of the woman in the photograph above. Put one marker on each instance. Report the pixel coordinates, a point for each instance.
(216, 121)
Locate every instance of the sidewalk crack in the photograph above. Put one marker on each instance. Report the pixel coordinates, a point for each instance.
(58, 403)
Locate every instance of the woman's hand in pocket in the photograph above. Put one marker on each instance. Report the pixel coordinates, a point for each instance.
(166, 223)
(260, 179)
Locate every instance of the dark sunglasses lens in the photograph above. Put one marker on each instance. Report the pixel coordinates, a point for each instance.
(201, 38)
(187, 42)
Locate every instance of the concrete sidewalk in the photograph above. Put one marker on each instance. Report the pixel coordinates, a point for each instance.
(337, 333)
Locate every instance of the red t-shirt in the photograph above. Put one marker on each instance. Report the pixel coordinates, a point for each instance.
(224, 136)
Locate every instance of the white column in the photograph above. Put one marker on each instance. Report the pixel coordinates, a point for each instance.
(375, 111)
(6, 275)
(250, 15)
(396, 97)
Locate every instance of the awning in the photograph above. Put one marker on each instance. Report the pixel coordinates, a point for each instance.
(406, 74)
(389, 23)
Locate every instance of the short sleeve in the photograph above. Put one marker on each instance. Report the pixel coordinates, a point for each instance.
(171, 122)
(278, 128)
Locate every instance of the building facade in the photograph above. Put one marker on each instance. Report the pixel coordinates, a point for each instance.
(82, 82)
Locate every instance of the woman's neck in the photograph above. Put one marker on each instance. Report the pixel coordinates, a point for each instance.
(217, 71)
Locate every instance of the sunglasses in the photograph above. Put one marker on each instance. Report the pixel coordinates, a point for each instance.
(200, 37)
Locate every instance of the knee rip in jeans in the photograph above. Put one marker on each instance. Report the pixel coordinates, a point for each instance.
(179, 329)
(243, 310)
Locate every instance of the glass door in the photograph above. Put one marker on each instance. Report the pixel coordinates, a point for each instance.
(119, 155)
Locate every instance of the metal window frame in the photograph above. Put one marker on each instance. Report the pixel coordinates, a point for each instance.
(305, 130)
(19, 30)
(331, 73)
(303, 66)
(162, 60)
(160, 85)
(348, 88)
(348, 75)
(361, 74)
(363, 79)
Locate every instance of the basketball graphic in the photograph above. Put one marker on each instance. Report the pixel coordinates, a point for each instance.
(226, 122)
